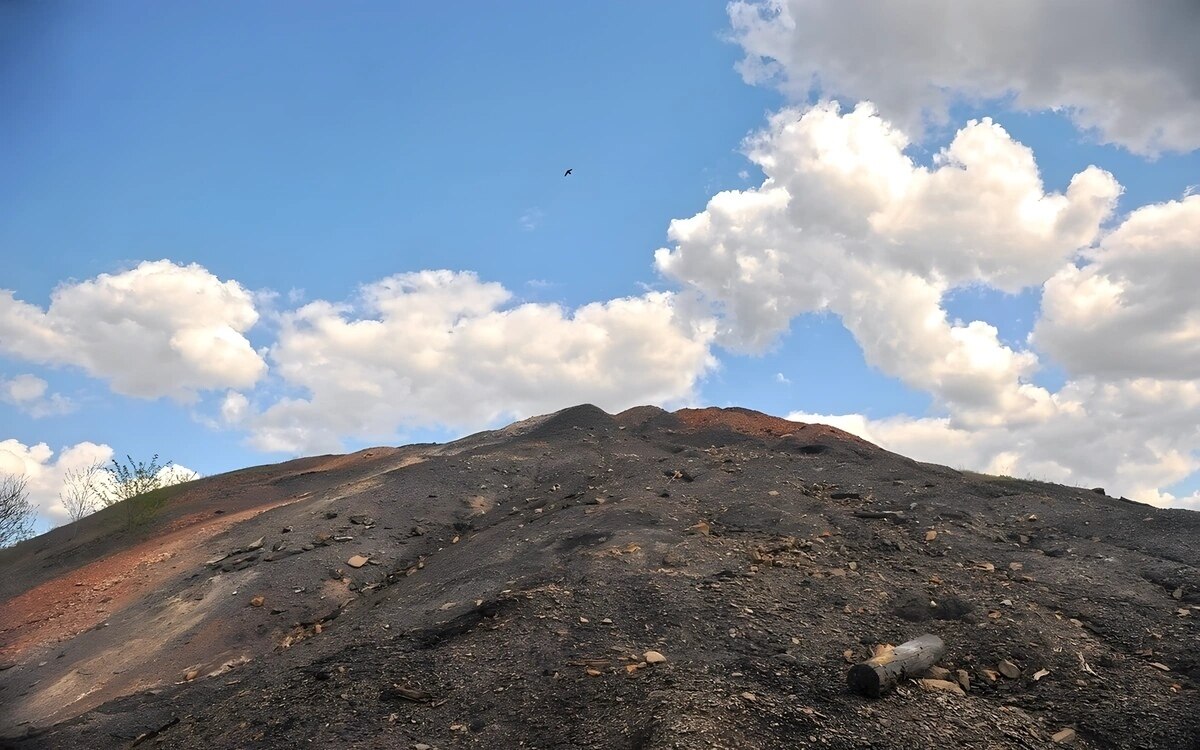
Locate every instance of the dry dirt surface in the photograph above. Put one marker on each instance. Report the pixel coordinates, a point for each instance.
(701, 579)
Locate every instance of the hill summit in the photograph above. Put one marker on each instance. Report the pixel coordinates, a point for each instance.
(696, 579)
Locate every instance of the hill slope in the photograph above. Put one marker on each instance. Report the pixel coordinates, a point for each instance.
(510, 583)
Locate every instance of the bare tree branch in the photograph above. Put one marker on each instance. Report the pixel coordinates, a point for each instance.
(16, 512)
(80, 493)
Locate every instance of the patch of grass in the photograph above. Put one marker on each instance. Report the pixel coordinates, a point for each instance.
(141, 509)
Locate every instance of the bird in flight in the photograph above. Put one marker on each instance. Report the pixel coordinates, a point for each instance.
(567, 172)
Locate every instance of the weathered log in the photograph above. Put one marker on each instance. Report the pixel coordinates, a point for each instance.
(882, 672)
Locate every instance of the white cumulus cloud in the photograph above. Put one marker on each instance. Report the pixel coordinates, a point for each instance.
(160, 329)
(439, 348)
(1133, 310)
(846, 222)
(45, 471)
(1129, 71)
(28, 394)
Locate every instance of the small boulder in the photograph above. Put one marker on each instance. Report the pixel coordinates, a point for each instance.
(964, 679)
(1008, 669)
(1063, 736)
(653, 657)
(940, 686)
(357, 561)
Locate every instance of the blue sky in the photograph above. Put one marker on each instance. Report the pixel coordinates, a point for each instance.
(308, 152)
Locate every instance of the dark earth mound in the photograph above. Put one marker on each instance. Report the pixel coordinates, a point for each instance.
(503, 591)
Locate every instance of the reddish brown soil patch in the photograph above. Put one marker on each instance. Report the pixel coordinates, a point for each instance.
(758, 424)
(70, 604)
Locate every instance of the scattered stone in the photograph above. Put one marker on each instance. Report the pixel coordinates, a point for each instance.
(405, 693)
(1160, 665)
(1008, 669)
(1040, 674)
(1177, 594)
(1063, 736)
(653, 657)
(422, 746)
(930, 535)
(357, 561)
(191, 674)
(362, 520)
(937, 673)
(257, 601)
(773, 493)
(331, 514)
(990, 675)
(750, 697)
(940, 686)
(964, 679)
(256, 544)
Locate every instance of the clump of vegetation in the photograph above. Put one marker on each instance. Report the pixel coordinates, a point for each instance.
(141, 486)
(16, 512)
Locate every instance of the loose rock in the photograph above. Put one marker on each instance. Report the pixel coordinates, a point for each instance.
(1008, 669)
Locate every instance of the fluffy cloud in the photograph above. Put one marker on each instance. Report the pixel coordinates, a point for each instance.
(846, 222)
(45, 471)
(28, 393)
(1133, 438)
(160, 329)
(1133, 310)
(1130, 71)
(442, 348)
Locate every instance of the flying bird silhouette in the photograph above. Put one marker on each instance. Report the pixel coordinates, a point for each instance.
(567, 172)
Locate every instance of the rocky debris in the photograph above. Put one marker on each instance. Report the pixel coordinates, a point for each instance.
(653, 657)
(938, 673)
(964, 679)
(357, 561)
(404, 693)
(1063, 736)
(1008, 669)
(479, 642)
(257, 601)
(943, 686)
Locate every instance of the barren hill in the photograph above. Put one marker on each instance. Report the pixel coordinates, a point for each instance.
(504, 591)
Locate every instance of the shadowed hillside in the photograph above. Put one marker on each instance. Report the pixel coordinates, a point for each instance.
(504, 590)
